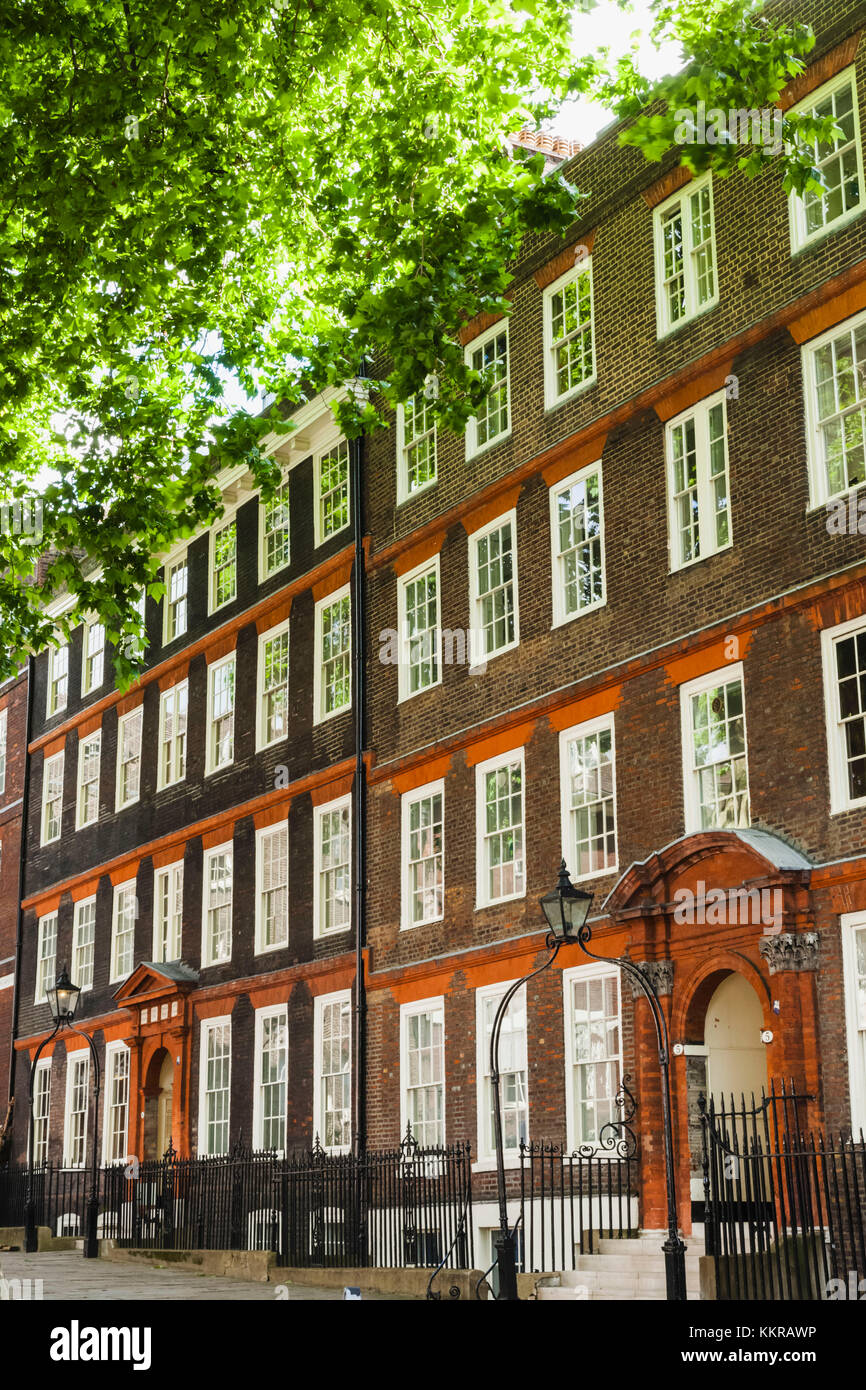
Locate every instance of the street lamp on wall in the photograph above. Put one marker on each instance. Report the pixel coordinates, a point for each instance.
(63, 1001)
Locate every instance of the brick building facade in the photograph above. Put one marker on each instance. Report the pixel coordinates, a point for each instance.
(621, 620)
(13, 760)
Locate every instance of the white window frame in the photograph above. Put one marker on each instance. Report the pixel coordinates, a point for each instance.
(114, 1050)
(87, 688)
(207, 1026)
(206, 958)
(281, 1013)
(404, 493)
(320, 1004)
(178, 561)
(585, 730)
(707, 512)
(53, 704)
(430, 789)
(478, 656)
(664, 324)
(552, 398)
(121, 891)
(266, 573)
(42, 1069)
(78, 947)
(726, 675)
(855, 1027)
(840, 801)
(44, 977)
(319, 812)
(264, 638)
(560, 613)
(330, 601)
(427, 567)
(95, 737)
(421, 1006)
(473, 448)
(484, 1084)
(583, 972)
(211, 765)
(319, 530)
(504, 760)
(48, 763)
(228, 519)
(173, 875)
(80, 1056)
(819, 489)
(123, 721)
(261, 948)
(178, 738)
(800, 238)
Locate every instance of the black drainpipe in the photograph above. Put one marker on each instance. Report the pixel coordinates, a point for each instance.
(19, 933)
(359, 705)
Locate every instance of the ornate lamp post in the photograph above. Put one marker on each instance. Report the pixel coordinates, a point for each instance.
(63, 1001)
(566, 910)
(673, 1247)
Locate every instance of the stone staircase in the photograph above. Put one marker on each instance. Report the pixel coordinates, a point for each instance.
(622, 1269)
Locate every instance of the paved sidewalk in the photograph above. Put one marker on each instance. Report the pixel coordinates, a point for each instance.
(66, 1276)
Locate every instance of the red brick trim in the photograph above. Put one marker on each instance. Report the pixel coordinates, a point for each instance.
(584, 454)
(821, 71)
(89, 726)
(124, 873)
(503, 501)
(709, 658)
(272, 815)
(161, 858)
(417, 554)
(693, 391)
(421, 774)
(125, 704)
(565, 261)
(226, 646)
(473, 328)
(84, 890)
(666, 185)
(172, 678)
(589, 707)
(502, 742)
(332, 791)
(56, 745)
(222, 835)
(831, 312)
(337, 579)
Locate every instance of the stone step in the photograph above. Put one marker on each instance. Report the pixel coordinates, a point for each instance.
(640, 1263)
(602, 1294)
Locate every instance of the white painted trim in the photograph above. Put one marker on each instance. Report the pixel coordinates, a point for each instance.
(81, 1054)
(123, 720)
(707, 546)
(663, 327)
(174, 561)
(86, 626)
(560, 616)
(481, 770)
(76, 927)
(46, 763)
(95, 737)
(169, 870)
(318, 686)
(40, 933)
(799, 238)
(472, 446)
(420, 1006)
(206, 1025)
(486, 1153)
(819, 494)
(319, 933)
(319, 538)
(406, 801)
(114, 1049)
(226, 848)
(320, 1003)
(403, 493)
(594, 970)
(836, 766)
(725, 675)
(263, 574)
(228, 518)
(264, 638)
(119, 889)
(166, 697)
(209, 766)
(850, 923)
(404, 693)
(272, 1011)
(477, 657)
(551, 399)
(259, 948)
(588, 727)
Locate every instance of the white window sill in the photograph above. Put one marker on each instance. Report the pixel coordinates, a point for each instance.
(497, 902)
(488, 444)
(699, 559)
(581, 613)
(551, 405)
(413, 694)
(332, 714)
(665, 332)
(488, 1165)
(263, 579)
(418, 492)
(837, 225)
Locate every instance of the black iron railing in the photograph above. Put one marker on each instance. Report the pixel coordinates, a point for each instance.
(403, 1207)
(569, 1200)
(785, 1208)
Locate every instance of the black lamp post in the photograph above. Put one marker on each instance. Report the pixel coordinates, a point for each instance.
(566, 910)
(674, 1249)
(63, 1001)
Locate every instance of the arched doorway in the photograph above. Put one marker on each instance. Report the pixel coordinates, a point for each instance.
(158, 1098)
(736, 1057)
